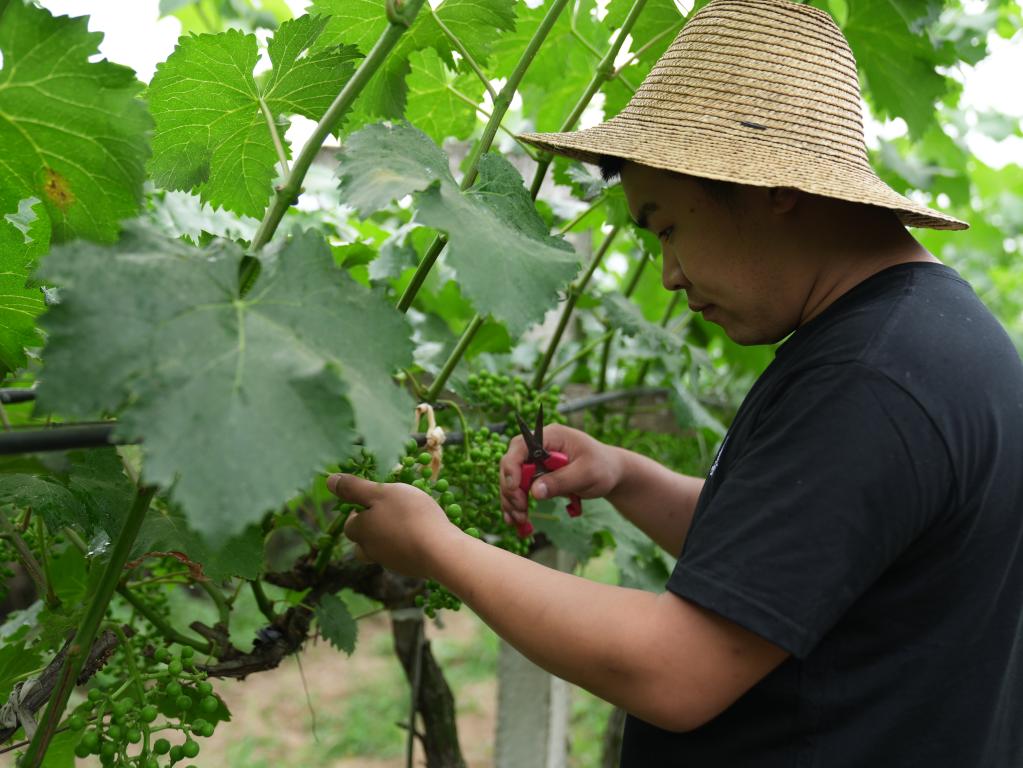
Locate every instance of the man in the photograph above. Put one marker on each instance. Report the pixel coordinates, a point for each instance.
(849, 588)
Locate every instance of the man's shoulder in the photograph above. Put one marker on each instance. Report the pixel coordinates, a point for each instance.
(919, 325)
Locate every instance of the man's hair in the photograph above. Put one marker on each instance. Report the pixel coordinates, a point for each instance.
(723, 192)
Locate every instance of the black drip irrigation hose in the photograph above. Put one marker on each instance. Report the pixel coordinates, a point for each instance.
(66, 437)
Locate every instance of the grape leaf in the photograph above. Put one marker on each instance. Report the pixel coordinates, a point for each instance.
(24, 237)
(438, 101)
(88, 491)
(212, 131)
(16, 661)
(641, 563)
(476, 23)
(238, 399)
(336, 623)
(73, 131)
(507, 263)
(689, 411)
(166, 530)
(897, 65)
(626, 316)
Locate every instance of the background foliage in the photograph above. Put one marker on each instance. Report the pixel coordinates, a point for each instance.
(256, 312)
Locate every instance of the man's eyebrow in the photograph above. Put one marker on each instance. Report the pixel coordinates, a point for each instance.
(644, 211)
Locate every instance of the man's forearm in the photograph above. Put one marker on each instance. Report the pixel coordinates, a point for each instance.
(656, 500)
(585, 632)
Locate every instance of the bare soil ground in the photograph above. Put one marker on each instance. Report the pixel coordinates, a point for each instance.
(271, 716)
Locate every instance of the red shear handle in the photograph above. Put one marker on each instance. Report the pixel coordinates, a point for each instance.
(556, 460)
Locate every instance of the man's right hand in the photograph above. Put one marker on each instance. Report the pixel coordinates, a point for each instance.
(593, 470)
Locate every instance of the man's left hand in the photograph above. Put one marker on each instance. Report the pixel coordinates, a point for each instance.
(401, 527)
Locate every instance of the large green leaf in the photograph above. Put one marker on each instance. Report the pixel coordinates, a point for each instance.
(213, 121)
(73, 131)
(898, 64)
(476, 24)
(238, 398)
(507, 263)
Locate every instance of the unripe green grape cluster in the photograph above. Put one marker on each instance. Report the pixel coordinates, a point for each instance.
(468, 487)
(499, 395)
(124, 728)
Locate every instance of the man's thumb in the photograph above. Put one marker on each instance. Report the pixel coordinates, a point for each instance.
(352, 488)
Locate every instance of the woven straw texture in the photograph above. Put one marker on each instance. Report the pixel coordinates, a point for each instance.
(760, 92)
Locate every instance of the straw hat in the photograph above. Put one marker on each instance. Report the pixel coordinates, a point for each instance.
(760, 92)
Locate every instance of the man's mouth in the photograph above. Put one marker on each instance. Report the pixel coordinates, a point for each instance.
(698, 307)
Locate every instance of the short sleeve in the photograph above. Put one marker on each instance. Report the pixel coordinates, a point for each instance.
(830, 486)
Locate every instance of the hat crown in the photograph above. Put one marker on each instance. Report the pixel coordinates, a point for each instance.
(755, 92)
(762, 70)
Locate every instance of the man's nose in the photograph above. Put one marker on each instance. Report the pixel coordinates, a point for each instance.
(672, 276)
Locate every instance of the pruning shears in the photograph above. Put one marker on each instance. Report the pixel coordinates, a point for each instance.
(540, 461)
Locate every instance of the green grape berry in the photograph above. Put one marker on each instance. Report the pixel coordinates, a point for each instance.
(209, 704)
(190, 748)
(176, 753)
(82, 750)
(183, 702)
(76, 722)
(424, 458)
(204, 688)
(426, 472)
(161, 746)
(474, 532)
(173, 688)
(107, 751)
(441, 485)
(95, 695)
(148, 713)
(114, 732)
(91, 740)
(187, 652)
(134, 735)
(162, 655)
(174, 667)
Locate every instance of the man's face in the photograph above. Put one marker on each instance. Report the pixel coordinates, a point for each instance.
(730, 257)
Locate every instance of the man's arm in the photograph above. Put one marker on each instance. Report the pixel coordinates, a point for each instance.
(656, 500)
(659, 657)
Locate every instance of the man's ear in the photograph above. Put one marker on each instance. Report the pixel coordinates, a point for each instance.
(783, 199)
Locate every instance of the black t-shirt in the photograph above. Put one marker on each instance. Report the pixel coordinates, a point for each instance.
(865, 513)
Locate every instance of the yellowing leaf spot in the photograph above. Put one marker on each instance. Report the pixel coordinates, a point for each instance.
(57, 189)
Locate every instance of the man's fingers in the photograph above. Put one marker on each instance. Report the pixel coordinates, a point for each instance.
(353, 489)
(571, 478)
(511, 464)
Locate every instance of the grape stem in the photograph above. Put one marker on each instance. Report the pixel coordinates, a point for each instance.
(460, 47)
(87, 630)
(575, 290)
(288, 192)
(265, 606)
(29, 562)
(501, 104)
(605, 71)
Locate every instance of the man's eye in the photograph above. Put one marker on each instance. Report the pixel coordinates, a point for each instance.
(664, 234)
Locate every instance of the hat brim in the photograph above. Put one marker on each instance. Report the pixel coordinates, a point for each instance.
(695, 151)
